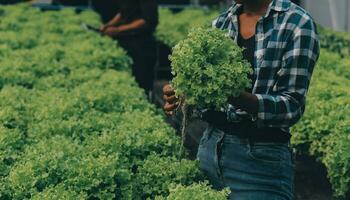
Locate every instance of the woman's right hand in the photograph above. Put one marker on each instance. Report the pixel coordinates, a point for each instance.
(171, 101)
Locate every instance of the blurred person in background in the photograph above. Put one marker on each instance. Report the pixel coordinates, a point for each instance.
(133, 26)
(247, 147)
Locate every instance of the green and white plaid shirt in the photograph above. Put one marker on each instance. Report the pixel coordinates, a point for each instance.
(286, 51)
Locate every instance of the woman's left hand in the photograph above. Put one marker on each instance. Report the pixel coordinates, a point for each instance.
(111, 31)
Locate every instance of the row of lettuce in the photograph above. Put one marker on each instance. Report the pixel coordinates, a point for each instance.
(324, 132)
(73, 122)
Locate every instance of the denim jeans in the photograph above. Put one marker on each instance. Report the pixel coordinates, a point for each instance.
(253, 171)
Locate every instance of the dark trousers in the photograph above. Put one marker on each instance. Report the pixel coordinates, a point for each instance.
(142, 49)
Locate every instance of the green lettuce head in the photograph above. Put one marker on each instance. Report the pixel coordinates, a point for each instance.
(209, 68)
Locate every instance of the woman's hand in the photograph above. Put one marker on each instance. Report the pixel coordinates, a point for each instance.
(104, 27)
(171, 101)
(111, 31)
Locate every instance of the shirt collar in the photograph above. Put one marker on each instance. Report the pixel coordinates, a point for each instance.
(275, 5)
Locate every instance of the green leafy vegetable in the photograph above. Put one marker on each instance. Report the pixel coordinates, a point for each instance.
(208, 68)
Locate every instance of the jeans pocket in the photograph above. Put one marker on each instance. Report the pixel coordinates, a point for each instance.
(269, 153)
(203, 141)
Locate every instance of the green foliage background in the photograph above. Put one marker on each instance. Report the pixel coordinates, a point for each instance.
(73, 122)
(173, 28)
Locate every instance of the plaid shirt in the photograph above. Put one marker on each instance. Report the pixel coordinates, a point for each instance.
(286, 52)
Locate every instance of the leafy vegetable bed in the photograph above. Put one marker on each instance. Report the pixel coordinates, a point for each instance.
(173, 28)
(74, 124)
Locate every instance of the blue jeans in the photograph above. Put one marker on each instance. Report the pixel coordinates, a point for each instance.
(253, 171)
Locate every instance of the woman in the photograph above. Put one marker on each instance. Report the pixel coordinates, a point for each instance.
(248, 151)
(133, 26)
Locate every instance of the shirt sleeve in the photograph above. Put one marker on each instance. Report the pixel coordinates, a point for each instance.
(149, 12)
(285, 107)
